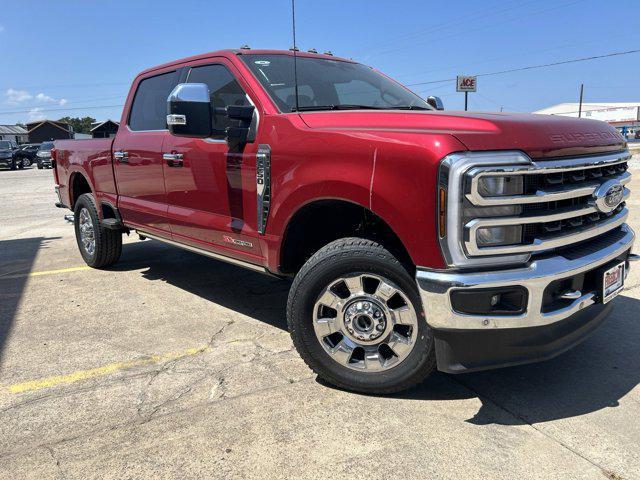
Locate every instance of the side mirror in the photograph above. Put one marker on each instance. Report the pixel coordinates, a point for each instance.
(243, 130)
(435, 102)
(189, 111)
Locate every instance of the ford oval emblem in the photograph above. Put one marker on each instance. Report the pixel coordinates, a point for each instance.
(608, 196)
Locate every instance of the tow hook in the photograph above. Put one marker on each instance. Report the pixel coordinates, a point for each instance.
(69, 217)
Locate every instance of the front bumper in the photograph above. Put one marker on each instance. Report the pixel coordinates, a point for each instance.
(472, 342)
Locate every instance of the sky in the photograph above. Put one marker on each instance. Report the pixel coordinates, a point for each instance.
(77, 58)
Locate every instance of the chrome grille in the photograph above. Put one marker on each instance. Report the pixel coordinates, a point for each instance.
(557, 204)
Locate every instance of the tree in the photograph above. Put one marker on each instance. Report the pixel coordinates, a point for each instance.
(79, 125)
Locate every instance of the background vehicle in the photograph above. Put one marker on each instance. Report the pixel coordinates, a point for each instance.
(27, 153)
(7, 150)
(416, 238)
(43, 155)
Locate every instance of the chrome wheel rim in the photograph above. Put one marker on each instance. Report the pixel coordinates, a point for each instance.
(87, 235)
(365, 322)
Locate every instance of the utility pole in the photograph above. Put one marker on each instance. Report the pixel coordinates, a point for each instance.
(580, 107)
(466, 100)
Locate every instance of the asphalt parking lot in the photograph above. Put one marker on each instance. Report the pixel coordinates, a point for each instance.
(171, 365)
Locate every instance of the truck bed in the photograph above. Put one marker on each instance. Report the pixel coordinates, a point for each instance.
(90, 157)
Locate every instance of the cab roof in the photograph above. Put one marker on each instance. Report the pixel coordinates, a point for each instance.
(241, 51)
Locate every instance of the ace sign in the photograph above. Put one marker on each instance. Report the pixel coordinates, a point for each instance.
(466, 84)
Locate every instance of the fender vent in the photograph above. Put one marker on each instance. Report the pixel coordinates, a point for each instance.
(263, 185)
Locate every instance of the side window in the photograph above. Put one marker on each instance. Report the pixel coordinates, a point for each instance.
(224, 90)
(149, 108)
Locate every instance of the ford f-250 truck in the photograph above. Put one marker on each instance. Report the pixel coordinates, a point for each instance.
(416, 238)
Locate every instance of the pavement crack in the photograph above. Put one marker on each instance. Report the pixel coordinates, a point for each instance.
(60, 471)
(219, 332)
(526, 421)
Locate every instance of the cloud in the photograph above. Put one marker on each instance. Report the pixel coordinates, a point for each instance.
(36, 114)
(17, 96)
(41, 97)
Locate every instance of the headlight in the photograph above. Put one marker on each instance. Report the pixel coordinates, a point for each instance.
(499, 236)
(470, 184)
(500, 186)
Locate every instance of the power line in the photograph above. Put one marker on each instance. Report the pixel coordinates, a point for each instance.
(486, 74)
(42, 110)
(531, 67)
(456, 34)
(475, 15)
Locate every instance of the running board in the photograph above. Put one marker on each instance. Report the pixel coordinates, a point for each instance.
(206, 253)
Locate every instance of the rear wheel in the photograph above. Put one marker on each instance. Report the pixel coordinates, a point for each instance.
(355, 317)
(99, 246)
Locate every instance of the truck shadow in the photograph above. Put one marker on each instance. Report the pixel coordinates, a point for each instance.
(16, 262)
(594, 375)
(258, 296)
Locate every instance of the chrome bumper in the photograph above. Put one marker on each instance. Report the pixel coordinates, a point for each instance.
(435, 288)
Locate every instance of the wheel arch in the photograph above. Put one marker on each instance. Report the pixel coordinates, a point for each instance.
(78, 185)
(320, 221)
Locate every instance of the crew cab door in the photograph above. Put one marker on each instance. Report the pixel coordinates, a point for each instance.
(211, 189)
(137, 155)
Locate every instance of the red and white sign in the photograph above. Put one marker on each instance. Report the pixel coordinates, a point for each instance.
(466, 84)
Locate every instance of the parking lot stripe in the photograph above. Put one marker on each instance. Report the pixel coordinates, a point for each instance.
(46, 272)
(62, 270)
(100, 371)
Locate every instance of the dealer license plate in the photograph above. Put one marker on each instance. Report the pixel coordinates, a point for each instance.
(612, 282)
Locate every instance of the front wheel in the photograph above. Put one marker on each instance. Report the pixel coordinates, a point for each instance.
(356, 319)
(99, 246)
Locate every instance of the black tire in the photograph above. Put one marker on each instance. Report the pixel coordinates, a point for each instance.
(39, 165)
(354, 256)
(14, 165)
(108, 243)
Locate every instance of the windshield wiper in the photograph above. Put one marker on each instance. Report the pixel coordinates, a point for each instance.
(340, 106)
(409, 107)
(350, 106)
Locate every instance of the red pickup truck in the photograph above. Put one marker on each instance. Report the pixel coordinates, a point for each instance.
(416, 239)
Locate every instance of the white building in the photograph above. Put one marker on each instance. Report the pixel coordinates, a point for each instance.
(625, 116)
(13, 133)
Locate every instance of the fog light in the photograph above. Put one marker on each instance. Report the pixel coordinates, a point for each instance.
(500, 186)
(498, 236)
(490, 301)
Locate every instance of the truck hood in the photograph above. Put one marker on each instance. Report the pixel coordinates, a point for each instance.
(537, 135)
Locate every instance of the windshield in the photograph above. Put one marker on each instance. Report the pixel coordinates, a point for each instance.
(4, 145)
(46, 146)
(328, 84)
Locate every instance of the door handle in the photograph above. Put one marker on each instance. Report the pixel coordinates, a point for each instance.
(121, 156)
(173, 159)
